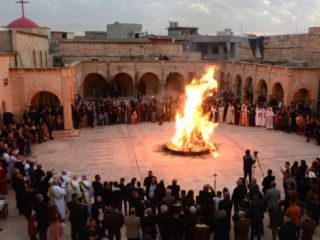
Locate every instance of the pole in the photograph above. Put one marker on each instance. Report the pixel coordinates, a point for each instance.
(215, 181)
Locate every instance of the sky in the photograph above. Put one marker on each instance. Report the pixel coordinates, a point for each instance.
(242, 16)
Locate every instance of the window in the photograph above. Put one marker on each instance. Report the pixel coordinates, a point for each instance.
(215, 50)
(46, 59)
(5, 82)
(41, 62)
(34, 59)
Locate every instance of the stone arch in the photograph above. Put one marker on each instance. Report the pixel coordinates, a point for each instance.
(302, 94)
(175, 84)
(94, 86)
(262, 90)
(277, 92)
(248, 89)
(148, 84)
(238, 86)
(44, 98)
(122, 85)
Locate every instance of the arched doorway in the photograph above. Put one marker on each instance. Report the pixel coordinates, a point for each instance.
(94, 86)
(45, 99)
(277, 92)
(301, 95)
(148, 84)
(238, 86)
(248, 89)
(262, 91)
(122, 85)
(175, 84)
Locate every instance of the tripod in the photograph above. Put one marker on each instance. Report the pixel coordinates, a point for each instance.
(256, 158)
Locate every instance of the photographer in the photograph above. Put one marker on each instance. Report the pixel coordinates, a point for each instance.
(248, 162)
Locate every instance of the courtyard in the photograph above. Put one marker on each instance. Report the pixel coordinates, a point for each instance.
(132, 150)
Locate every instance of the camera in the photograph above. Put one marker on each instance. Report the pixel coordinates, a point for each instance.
(256, 153)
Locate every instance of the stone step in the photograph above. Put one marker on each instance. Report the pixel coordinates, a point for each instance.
(66, 133)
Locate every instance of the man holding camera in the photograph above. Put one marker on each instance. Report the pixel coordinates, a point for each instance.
(248, 162)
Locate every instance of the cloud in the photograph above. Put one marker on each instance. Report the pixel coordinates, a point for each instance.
(209, 15)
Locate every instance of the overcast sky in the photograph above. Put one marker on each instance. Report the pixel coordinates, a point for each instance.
(256, 16)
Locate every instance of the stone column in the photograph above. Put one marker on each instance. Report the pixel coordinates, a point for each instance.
(66, 98)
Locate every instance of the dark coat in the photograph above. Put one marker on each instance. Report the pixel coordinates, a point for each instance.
(78, 214)
(221, 228)
(41, 209)
(241, 229)
(113, 221)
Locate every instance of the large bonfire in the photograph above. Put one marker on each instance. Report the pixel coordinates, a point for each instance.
(194, 128)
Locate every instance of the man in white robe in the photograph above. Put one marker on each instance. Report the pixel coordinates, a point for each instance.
(221, 113)
(74, 187)
(269, 118)
(86, 191)
(230, 118)
(57, 197)
(258, 116)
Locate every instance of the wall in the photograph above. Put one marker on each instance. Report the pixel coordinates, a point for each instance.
(282, 48)
(27, 45)
(118, 49)
(26, 83)
(5, 90)
(5, 42)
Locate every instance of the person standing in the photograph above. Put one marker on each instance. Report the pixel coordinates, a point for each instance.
(308, 226)
(272, 198)
(230, 118)
(248, 162)
(269, 118)
(113, 222)
(221, 112)
(55, 228)
(267, 180)
(241, 227)
(78, 215)
(256, 216)
(57, 194)
(133, 225)
(41, 210)
(86, 191)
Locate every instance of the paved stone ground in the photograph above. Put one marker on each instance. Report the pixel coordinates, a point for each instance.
(127, 151)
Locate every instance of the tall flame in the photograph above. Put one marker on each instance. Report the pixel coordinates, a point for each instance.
(193, 128)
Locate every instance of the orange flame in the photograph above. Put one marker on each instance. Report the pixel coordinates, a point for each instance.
(193, 128)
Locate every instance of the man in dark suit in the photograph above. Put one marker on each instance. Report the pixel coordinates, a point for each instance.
(266, 183)
(248, 162)
(175, 189)
(97, 186)
(78, 215)
(41, 209)
(113, 222)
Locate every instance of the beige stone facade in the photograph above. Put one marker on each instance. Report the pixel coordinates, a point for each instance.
(91, 66)
(281, 48)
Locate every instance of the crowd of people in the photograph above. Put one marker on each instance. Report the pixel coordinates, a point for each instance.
(150, 209)
(296, 118)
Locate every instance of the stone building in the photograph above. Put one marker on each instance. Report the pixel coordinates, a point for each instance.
(93, 68)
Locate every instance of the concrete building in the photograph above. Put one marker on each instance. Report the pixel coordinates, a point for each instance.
(223, 46)
(123, 31)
